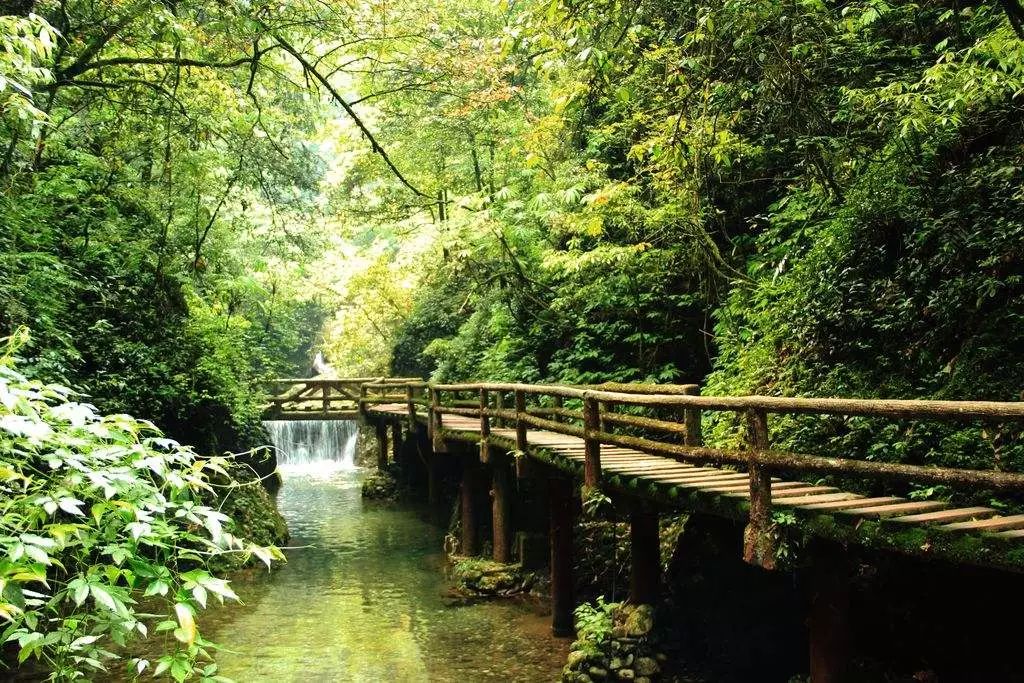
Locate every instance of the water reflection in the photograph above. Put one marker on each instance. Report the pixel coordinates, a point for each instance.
(365, 602)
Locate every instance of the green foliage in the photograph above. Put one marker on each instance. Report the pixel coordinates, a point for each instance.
(24, 43)
(778, 198)
(594, 621)
(104, 536)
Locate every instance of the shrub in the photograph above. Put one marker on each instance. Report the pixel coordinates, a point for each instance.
(100, 516)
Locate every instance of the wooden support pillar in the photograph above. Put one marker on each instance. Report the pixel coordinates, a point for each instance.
(433, 480)
(501, 509)
(559, 404)
(396, 441)
(591, 445)
(560, 493)
(759, 535)
(467, 507)
(645, 555)
(326, 397)
(521, 443)
(382, 445)
(828, 622)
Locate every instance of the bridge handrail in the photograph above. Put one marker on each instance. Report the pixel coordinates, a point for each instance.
(597, 415)
(892, 408)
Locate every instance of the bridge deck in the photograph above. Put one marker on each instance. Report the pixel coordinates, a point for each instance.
(655, 475)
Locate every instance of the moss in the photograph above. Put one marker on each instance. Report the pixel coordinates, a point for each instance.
(380, 486)
(480, 576)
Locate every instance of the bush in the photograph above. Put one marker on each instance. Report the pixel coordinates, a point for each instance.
(99, 514)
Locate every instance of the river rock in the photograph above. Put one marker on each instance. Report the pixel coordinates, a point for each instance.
(597, 673)
(615, 664)
(627, 675)
(577, 658)
(646, 666)
(640, 622)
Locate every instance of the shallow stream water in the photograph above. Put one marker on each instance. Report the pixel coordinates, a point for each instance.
(365, 600)
(363, 595)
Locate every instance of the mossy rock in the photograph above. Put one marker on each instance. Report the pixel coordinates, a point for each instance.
(639, 622)
(478, 576)
(616, 641)
(380, 486)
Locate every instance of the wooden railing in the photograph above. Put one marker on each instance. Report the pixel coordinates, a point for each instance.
(666, 420)
(319, 397)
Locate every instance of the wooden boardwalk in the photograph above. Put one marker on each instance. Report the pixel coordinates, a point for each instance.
(641, 470)
(643, 453)
(642, 446)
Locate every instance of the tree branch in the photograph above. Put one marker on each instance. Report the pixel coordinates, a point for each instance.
(374, 145)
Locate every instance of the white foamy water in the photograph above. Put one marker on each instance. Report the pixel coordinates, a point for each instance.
(313, 448)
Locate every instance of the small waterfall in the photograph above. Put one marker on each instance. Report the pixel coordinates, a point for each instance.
(318, 447)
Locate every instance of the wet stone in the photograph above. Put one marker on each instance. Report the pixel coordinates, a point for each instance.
(627, 675)
(647, 666)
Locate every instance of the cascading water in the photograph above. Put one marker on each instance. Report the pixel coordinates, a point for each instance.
(317, 447)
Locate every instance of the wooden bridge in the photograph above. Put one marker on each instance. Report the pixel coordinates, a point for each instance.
(642, 445)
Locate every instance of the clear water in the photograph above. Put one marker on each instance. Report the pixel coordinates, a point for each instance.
(366, 601)
(363, 596)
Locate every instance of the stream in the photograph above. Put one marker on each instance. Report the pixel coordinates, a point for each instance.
(363, 595)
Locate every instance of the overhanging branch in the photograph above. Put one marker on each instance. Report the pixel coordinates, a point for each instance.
(311, 71)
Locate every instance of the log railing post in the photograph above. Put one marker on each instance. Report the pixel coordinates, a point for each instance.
(691, 419)
(499, 405)
(326, 404)
(759, 535)
(603, 408)
(485, 428)
(410, 406)
(363, 394)
(592, 445)
(559, 405)
(521, 444)
(436, 439)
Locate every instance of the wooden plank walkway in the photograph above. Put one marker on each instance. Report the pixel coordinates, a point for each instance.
(719, 481)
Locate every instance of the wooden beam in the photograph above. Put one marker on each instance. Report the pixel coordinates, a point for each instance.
(828, 621)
